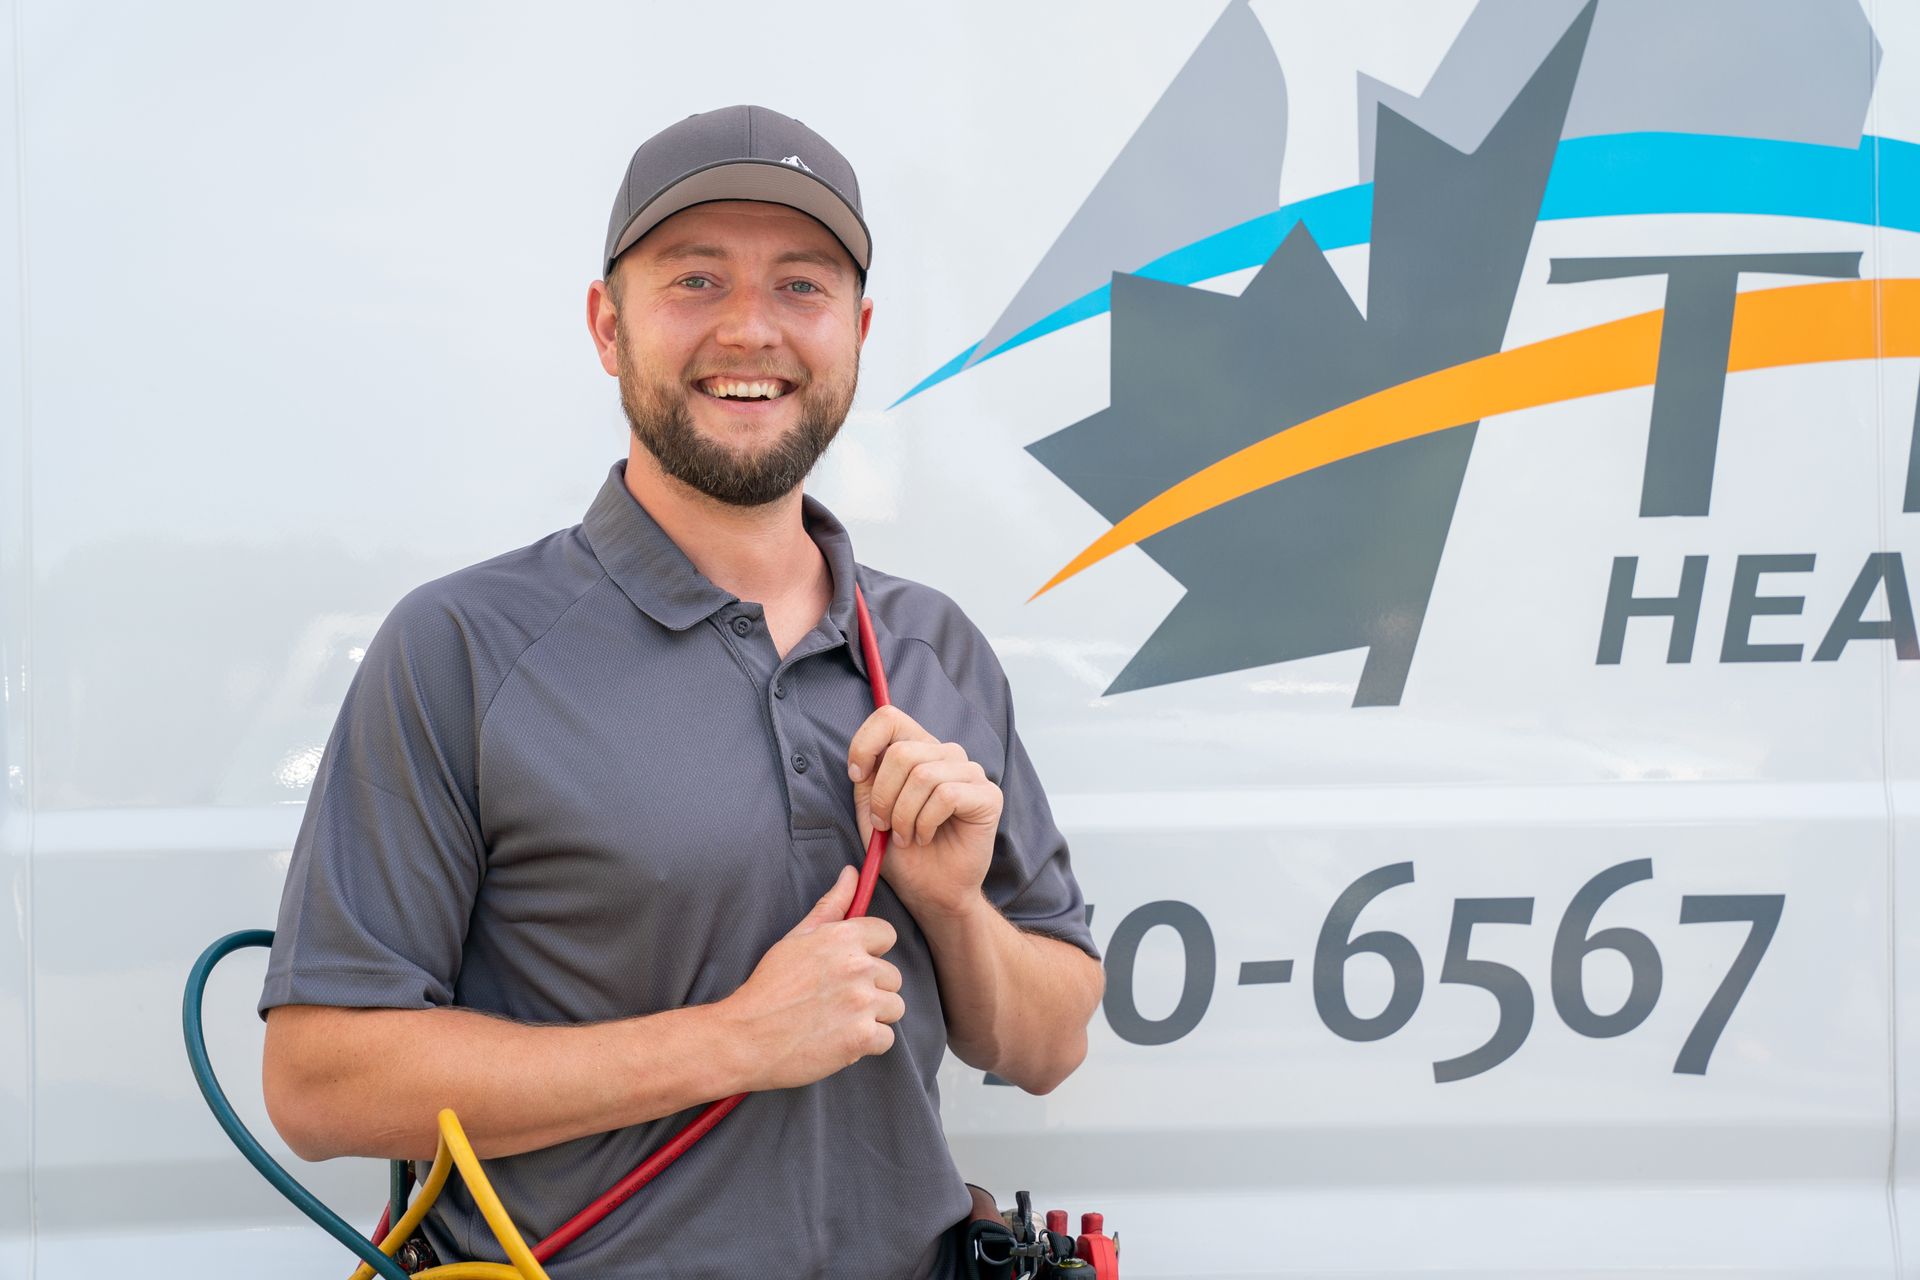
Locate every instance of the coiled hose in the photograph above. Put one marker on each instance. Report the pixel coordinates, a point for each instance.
(454, 1151)
(193, 1029)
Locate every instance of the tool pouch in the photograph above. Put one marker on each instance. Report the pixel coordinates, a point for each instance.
(986, 1252)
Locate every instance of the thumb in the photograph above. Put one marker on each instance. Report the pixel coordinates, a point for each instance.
(833, 906)
(863, 809)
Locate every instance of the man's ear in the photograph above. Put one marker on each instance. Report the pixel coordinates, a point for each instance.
(603, 322)
(866, 318)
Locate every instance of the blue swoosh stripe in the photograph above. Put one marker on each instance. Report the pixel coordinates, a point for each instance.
(1608, 176)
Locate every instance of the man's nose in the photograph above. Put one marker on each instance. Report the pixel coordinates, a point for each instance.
(747, 319)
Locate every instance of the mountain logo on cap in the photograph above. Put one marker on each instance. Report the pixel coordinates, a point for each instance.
(796, 161)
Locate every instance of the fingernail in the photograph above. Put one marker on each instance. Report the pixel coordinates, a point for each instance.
(853, 771)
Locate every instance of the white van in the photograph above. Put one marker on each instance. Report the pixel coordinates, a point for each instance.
(1440, 475)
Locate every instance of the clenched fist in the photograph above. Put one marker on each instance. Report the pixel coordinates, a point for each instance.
(941, 807)
(821, 998)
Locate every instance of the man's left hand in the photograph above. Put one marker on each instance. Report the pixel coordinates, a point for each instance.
(940, 806)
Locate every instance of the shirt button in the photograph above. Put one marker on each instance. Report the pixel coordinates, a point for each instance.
(799, 763)
(779, 690)
(742, 625)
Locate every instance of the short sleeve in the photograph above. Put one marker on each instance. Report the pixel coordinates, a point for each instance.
(1031, 880)
(390, 854)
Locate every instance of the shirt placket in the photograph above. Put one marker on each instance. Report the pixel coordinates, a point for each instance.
(807, 775)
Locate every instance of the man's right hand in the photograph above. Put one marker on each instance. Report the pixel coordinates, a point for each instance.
(821, 998)
(369, 1082)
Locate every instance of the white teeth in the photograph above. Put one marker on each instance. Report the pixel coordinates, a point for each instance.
(761, 390)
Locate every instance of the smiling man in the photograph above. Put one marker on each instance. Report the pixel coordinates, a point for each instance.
(580, 847)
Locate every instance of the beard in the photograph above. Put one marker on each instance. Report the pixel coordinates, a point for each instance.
(658, 411)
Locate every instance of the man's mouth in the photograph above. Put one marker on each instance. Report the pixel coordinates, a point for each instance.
(744, 390)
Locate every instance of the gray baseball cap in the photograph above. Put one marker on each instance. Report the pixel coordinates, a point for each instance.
(738, 153)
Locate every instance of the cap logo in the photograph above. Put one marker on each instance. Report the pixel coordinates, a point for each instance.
(797, 162)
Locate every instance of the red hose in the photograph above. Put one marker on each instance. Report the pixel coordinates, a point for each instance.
(877, 680)
(650, 1168)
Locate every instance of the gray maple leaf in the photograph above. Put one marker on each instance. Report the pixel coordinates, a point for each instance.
(1344, 556)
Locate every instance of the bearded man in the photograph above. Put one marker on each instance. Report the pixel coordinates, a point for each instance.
(579, 850)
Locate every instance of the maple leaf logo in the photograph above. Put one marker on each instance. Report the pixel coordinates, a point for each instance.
(1343, 556)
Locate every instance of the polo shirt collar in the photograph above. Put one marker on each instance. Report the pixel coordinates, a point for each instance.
(637, 554)
(834, 542)
(663, 584)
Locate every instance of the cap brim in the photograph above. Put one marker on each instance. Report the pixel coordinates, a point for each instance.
(767, 180)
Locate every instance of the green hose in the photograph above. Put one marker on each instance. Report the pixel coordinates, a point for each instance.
(399, 1182)
(303, 1200)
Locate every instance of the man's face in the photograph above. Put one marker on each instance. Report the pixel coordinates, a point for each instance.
(729, 293)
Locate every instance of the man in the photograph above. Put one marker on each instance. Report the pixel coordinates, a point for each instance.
(580, 846)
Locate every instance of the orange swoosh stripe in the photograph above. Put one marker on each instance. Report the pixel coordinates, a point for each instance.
(1798, 324)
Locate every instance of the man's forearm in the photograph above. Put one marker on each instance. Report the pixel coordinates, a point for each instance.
(1017, 1003)
(370, 1082)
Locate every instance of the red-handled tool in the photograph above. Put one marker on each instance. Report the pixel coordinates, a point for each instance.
(1097, 1248)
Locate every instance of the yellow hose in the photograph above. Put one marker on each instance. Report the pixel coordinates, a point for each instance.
(481, 1190)
(454, 1150)
(402, 1231)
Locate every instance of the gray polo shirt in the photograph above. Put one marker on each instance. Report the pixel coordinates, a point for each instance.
(576, 783)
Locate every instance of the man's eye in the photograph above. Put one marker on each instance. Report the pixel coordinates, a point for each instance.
(809, 286)
(699, 280)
